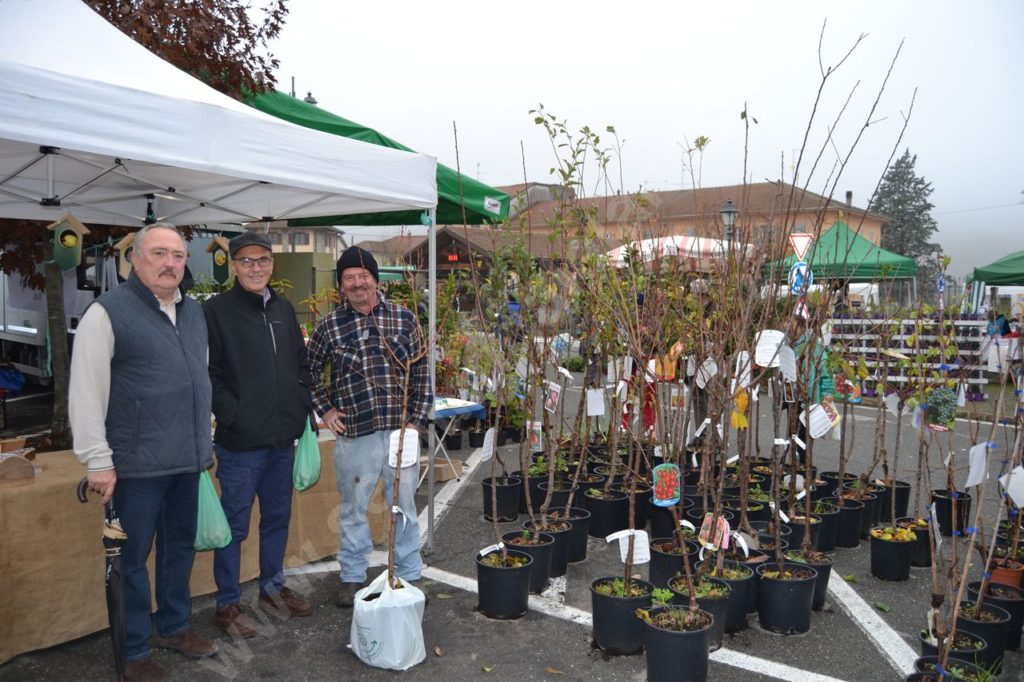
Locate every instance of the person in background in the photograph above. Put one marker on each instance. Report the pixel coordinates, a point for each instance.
(812, 359)
(261, 401)
(375, 351)
(139, 406)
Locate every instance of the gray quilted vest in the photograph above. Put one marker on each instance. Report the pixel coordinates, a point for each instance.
(158, 418)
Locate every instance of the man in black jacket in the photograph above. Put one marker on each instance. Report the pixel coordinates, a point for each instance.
(261, 402)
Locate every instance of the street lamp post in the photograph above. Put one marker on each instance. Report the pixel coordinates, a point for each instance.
(729, 213)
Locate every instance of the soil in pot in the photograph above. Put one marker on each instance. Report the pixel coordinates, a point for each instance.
(784, 597)
(609, 512)
(616, 628)
(990, 623)
(966, 646)
(798, 525)
(891, 547)
(580, 520)
(503, 587)
(956, 669)
(667, 560)
(676, 643)
(539, 547)
(509, 490)
(1011, 600)
(560, 531)
(712, 596)
(587, 481)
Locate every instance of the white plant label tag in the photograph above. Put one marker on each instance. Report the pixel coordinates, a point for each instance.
(641, 545)
(487, 452)
(826, 333)
(522, 367)
(742, 369)
(691, 365)
(567, 374)
(595, 402)
(935, 528)
(741, 541)
(705, 372)
(657, 452)
(892, 404)
(961, 397)
(820, 420)
(734, 458)
(917, 418)
(1013, 484)
(492, 548)
(766, 347)
(801, 495)
(410, 447)
(979, 465)
(787, 363)
(781, 442)
(685, 523)
(703, 425)
(782, 514)
(799, 443)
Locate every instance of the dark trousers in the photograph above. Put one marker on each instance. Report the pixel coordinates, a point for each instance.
(242, 477)
(164, 507)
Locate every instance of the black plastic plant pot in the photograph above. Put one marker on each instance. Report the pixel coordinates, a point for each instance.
(715, 606)
(992, 631)
(642, 503)
(890, 559)
(1011, 600)
(662, 523)
(588, 481)
(736, 611)
(580, 520)
(509, 491)
(971, 653)
(540, 567)
(453, 441)
(828, 529)
(606, 471)
(798, 527)
(560, 553)
(867, 517)
(848, 533)
(761, 528)
(824, 569)
(784, 604)
(927, 665)
(503, 591)
(920, 551)
(559, 496)
(608, 514)
(536, 497)
(696, 516)
(944, 510)
(831, 479)
(677, 655)
(902, 500)
(476, 439)
(617, 630)
(664, 565)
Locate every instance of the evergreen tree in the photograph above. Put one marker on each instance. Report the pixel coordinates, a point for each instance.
(903, 199)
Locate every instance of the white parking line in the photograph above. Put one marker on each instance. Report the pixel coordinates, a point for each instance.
(893, 647)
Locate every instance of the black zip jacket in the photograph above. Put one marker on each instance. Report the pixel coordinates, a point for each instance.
(258, 369)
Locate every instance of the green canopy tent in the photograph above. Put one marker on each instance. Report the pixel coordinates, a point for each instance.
(483, 204)
(1008, 270)
(841, 253)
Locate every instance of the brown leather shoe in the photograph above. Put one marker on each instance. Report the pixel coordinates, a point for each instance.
(296, 606)
(144, 670)
(188, 643)
(345, 597)
(232, 620)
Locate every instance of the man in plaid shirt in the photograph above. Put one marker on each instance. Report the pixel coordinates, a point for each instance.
(377, 359)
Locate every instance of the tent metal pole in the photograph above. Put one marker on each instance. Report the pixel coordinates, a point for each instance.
(432, 360)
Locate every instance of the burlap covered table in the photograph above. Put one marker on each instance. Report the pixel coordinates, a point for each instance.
(51, 559)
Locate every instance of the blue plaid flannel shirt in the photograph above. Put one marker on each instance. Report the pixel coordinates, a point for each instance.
(367, 355)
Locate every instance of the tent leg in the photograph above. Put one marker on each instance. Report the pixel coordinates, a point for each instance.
(431, 363)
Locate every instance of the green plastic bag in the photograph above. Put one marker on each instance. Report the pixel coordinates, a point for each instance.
(212, 529)
(306, 470)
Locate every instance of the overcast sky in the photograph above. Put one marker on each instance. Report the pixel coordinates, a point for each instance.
(666, 74)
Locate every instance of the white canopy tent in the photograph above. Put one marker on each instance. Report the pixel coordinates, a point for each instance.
(699, 253)
(93, 123)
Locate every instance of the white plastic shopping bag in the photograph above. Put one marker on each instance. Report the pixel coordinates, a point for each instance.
(387, 625)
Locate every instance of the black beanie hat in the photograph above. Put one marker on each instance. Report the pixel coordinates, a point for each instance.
(355, 257)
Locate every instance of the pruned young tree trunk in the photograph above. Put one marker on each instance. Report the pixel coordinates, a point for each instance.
(60, 355)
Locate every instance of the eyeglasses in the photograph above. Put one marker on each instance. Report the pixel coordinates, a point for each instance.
(249, 263)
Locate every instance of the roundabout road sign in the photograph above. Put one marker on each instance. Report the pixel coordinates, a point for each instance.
(800, 278)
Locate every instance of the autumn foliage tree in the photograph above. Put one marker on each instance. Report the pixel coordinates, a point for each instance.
(224, 43)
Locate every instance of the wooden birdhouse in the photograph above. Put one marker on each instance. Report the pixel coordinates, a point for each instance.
(124, 250)
(218, 248)
(68, 233)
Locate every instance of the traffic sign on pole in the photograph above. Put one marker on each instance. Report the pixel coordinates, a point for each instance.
(801, 242)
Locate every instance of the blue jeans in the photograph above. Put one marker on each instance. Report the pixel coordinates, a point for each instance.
(164, 506)
(243, 476)
(358, 464)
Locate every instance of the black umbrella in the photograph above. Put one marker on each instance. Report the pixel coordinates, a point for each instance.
(114, 538)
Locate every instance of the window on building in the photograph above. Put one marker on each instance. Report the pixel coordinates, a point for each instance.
(762, 234)
(300, 239)
(320, 240)
(274, 237)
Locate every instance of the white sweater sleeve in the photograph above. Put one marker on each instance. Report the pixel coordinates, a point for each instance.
(89, 390)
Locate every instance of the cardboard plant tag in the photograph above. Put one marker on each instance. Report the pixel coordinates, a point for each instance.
(551, 402)
(410, 447)
(677, 397)
(714, 533)
(818, 421)
(535, 436)
(641, 545)
(667, 484)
